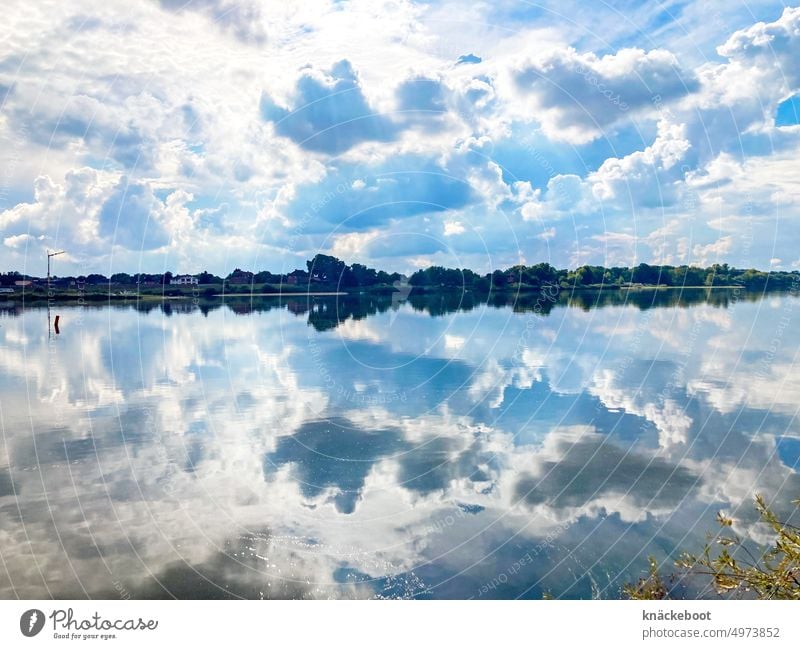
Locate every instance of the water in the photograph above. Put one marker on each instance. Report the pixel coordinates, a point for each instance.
(435, 447)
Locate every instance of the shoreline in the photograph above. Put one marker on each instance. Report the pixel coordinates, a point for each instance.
(96, 298)
(295, 294)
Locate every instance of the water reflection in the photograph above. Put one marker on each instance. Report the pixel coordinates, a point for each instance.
(442, 445)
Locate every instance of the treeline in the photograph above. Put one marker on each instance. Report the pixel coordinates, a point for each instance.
(543, 274)
(328, 271)
(322, 269)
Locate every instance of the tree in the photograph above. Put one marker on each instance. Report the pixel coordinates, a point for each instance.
(585, 276)
(646, 274)
(382, 277)
(360, 275)
(498, 279)
(207, 278)
(238, 272)
(542, 273)
(8, 279)
(326, 268)
(417, 278)
(718, 275)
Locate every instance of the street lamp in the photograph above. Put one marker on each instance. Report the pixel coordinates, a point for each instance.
(49, 293)
(49, 255)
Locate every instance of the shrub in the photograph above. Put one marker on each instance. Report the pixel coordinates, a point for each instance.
(734, 570)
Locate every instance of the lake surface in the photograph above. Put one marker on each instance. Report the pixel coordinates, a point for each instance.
(430, 447)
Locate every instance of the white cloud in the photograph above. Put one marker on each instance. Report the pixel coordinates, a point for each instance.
(453, 227)
(243, 18)
(714, 252)
(353, 245)
(576, 96)
(769, 45)
(532, 210)
(18, 240)
(645, 177)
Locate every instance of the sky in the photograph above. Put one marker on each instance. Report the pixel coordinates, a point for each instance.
(179, 135)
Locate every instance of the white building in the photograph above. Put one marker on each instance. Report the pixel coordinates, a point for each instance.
(183, 279)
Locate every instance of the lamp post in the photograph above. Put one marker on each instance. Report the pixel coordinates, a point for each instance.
(49, 255)
(49, 292)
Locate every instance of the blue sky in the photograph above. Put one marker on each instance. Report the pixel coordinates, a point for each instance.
(214, 134)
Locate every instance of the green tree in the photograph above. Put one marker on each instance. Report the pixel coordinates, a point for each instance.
(542, 273)
(207, 278)
(326, 268)
(360, 275)
(646, 274)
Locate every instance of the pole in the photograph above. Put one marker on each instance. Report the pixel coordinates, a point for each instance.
(49, 292)
(49, 255)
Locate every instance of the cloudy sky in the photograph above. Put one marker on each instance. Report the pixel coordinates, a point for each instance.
(212, 134)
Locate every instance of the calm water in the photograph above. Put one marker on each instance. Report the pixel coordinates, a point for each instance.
(432, 447)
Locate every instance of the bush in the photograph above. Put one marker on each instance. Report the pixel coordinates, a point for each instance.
(733, 569)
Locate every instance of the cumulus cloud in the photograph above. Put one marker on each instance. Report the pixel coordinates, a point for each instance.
(91, 212)
(398, 189)
(421, 94)
(714, 252)
(17, 241)
(576, 96)
(105, 131)
(771, 45)
(352, 245)
(67, 210)
(132, 217)
(242, 17)
(328, 112)
(647, 177)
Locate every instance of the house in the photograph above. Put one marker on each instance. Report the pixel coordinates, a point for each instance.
(183, 279)
(23, 282)
(242, 277)
(297, 278)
